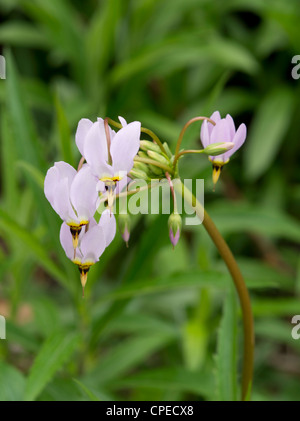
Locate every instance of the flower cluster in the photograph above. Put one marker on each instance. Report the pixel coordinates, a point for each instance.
(74, 194)
(112, 159)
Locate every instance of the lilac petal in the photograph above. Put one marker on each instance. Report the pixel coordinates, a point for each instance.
(122, 121)
(92, 223)
(95, 150)
(83, 127)
(108, 224)
(92, 244)
(50, 183)
(66, 171)
(100, 187)
(120, 185)
(62, 204)
(220, 132)
(54, 175)
(216, 117)
(125, 146)
(238, 140)
(83, 193)
(65, 237)
(174, 239)
(204, 134)
(231, 125)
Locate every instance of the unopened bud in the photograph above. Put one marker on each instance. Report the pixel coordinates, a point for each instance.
(156, 170)
(124, 226)
(218, 148)
(140, 166)
(138, 174)
(158, 157)
(146, 145)
(142, 154)
(174, 224)
(167, 149)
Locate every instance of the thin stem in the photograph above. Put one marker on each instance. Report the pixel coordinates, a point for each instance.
(143, 130)
(240, 286)
(155, 138)
(172, 191)
(184, 129)
(153, 162)
(187, 151)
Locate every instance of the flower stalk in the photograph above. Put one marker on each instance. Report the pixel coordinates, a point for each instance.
(240, 286)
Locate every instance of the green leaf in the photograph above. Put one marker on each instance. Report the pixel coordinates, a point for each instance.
(52, 356)
(240, 217)
(172, 379)
(187, 279)
(263, 307)
(88, 392)
(124, 357)
(227, 351)
(268, 131)
(11, 227)
(34, 173)
(18, 33)
(64, 133)
(12, 383)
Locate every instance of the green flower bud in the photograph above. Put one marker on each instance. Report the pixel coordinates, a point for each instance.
(167, 149)
(156, 170)
(139, 174)
(158, 157)
(146, 146)
(143, 154)
(174, 224)
(141, 166)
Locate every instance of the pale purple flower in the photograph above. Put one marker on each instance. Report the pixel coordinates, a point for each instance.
(91, 242)
(110, 157)
(72, 194)
(223, 131)
(124, 145)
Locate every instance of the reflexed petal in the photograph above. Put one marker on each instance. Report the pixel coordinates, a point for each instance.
(61, 203)
(83, 127)
(50, 184)
(65, 171)
(238, 140)
(83, 193)
(231, 126)
(216, 117)
(93, 244)
(65, 237)
(95, 150)
(204, 134)
(125, 146)
(122, 121)
(108, 224)
(220, 132)
(54, 175)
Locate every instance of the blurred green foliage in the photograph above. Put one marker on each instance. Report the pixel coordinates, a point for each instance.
(152, 325)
